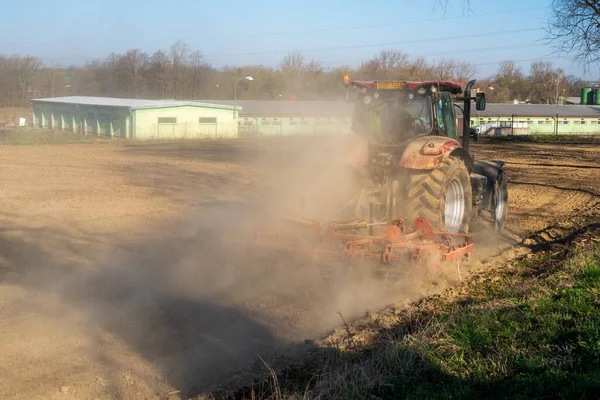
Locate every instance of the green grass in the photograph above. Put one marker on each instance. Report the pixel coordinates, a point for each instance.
(28, 136)
(531, 331)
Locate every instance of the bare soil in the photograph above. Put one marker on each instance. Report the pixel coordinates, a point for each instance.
(106, 294)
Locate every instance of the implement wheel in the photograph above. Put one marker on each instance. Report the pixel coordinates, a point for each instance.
(500, 203)
(442, 195)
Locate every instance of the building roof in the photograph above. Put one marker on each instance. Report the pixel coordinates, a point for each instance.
(134, 104)
(573, 100)
(282, 108)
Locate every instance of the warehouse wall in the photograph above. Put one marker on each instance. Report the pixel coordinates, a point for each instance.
(94, 120)
(293, 125)
(184, 122)
(540, 125)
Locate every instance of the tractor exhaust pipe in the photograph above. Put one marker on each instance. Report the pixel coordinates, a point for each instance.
(467, 115)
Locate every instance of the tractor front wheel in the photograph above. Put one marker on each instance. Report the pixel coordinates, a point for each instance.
(442, 195)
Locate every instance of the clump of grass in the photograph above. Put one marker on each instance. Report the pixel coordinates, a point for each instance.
(530, 331)
(27, 136)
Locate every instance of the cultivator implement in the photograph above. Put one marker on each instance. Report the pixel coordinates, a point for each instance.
(388, 245)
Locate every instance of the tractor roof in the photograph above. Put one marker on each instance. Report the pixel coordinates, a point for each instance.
(441, 86)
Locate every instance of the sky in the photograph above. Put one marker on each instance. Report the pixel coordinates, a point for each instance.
(243, 32)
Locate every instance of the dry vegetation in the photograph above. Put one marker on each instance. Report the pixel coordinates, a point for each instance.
(529, 329)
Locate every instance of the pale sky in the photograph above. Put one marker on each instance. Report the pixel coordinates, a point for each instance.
(237, 32)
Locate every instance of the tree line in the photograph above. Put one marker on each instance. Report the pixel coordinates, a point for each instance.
(180, 73)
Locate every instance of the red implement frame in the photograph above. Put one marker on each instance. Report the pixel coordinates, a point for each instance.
(387, 243)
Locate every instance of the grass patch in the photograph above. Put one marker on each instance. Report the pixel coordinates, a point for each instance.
(27, 136)
(529, 331)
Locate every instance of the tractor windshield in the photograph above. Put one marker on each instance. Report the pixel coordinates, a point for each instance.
(392, 117)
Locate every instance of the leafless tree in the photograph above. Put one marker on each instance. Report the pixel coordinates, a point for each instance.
(180, 73)
(292, 63)
(547, 83)
(178, 52)
(199, 69)
(510, 83)
(391, 59)
(574, 28)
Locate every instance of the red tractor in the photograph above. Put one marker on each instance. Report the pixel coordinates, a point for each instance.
(416, 159)
(417, 187)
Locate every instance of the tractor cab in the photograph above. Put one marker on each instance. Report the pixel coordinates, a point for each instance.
(394, 112)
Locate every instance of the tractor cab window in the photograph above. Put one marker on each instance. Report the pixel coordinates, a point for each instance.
(446, 115)
(392, 117)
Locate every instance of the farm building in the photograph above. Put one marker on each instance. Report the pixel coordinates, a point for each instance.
(151, 119)
(335, 117)
(542, 119)
(135, 118)
(293, 117)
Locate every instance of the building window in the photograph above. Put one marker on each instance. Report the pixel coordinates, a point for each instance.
(321, 121)
(276, 121)
(575, 122)
(565, 122)
(293, 121)
(331, 121)
(207, 120)
(594, 122)
(167, 120)
(264, 121)
(529, 123)
(303, 121)
(548, 122)
(583, 122)
(90, 115)
(540, 122)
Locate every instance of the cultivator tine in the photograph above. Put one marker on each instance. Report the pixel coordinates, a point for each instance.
(393, 248)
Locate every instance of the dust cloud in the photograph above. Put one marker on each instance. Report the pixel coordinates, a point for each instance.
(192, 301)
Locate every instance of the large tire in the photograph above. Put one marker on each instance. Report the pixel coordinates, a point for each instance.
(428, 193)
(500, 203)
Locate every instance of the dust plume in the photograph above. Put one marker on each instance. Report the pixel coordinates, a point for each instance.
(198, 307)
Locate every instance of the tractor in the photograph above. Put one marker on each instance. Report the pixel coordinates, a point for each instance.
(417, 188)
(416, 158)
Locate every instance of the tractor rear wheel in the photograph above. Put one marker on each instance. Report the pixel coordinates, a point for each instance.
(442, 195)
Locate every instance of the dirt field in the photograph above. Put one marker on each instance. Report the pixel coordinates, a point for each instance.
(104, 296)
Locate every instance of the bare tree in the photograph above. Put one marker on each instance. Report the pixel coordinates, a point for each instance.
(547, 83)
(510, 82)
(446, 4)
(574, 28)
(179, 53)
(27, 69)
(292, 63)
(159, 74)
(391, 59)
(198, 69)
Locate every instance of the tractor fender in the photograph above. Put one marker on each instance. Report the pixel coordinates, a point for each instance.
(427, 152)
(491, 170)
